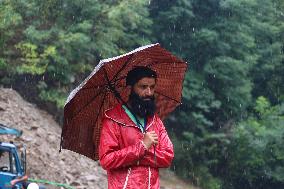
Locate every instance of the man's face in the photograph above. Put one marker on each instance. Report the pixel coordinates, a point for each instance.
(142, 98)
(145, 88)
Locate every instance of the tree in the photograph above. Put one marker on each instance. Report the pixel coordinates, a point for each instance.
(10, 22)
(268, 72)
(221, 40)
(60, 42)
(256, 154)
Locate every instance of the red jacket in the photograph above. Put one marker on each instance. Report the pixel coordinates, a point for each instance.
(121, 152)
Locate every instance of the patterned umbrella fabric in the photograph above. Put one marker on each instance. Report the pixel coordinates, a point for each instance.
(85, 106)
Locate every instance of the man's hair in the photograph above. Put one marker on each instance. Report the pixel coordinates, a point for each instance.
(139, 72)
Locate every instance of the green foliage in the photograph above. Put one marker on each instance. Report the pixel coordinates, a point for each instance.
(230, 84)
(10, 22)
(33, 62)
(60, 42)
(198, 153)
(54, 96)
(9, 19)
(124, 26)
(218, 47)
(3, 64)
(199, 97)
(256, 155)
(234, 52)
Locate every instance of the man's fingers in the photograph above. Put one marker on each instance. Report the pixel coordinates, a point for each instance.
(152, 136)
(155, 140)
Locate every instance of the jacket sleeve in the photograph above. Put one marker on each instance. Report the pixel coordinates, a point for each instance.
(110, 154)
(163, 151)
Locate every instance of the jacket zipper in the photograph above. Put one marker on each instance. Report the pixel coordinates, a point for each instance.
(149, 181)
(127, 177)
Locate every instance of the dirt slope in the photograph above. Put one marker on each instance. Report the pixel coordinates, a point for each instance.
(41, 135)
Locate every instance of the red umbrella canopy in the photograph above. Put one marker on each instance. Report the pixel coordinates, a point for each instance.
(85, 106)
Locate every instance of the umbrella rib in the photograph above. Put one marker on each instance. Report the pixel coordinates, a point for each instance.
(92, 87)
(115, 77)
(122, 68)
(112, 88)
(167, 97)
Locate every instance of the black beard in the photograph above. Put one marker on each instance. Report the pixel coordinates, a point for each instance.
(141, 107)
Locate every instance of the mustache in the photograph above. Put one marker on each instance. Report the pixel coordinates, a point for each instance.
(148, 98)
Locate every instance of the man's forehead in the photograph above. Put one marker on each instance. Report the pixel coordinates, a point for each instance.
(147, 81)
(139, 72)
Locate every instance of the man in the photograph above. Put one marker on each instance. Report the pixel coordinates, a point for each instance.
(134, 143)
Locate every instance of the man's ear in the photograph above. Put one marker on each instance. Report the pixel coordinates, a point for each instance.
(128, 89)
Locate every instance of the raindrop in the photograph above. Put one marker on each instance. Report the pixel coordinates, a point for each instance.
(240, 105)
(193, 29)
(214, 75)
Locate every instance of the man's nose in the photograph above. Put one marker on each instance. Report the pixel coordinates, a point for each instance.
(149, 92)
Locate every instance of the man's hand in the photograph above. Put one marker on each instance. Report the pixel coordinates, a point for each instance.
(13, 182)
(150, 138)
(19, 179)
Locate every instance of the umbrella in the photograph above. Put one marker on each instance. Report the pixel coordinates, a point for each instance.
(86, 104)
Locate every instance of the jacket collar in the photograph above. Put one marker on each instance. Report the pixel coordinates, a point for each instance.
(118, 115)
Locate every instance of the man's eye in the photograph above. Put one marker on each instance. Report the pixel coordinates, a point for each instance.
(144, 86)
